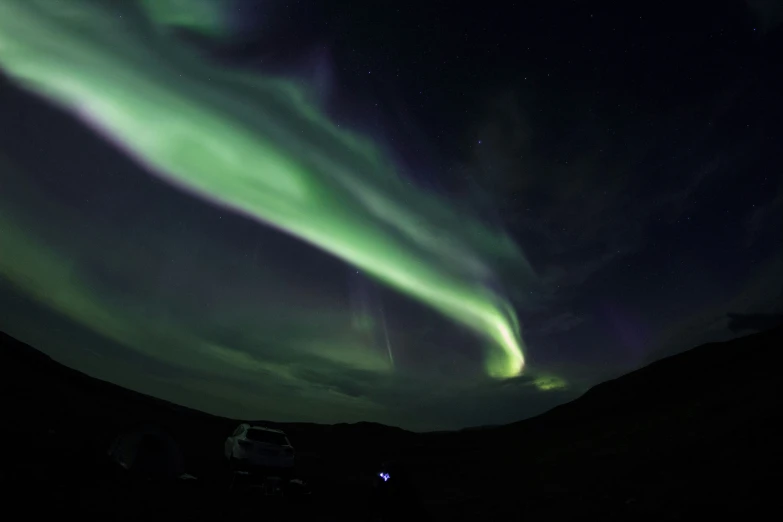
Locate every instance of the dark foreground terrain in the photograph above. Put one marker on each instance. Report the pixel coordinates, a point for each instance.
(694, 435)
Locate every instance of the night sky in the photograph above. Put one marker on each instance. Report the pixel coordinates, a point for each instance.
(435, 216)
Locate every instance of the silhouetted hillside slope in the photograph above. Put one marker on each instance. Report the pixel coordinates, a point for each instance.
(694, 434)
(699, 431)
(58, 425)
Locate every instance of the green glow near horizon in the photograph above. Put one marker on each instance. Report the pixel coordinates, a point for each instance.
(257, 146)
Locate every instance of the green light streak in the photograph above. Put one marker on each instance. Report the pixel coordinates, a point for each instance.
(256, 145)
(204, 16)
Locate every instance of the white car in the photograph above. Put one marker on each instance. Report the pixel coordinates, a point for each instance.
(255, 447)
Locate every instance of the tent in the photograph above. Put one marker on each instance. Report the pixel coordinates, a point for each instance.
(148, 452)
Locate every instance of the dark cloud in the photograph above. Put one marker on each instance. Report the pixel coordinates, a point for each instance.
(761, 295)
(740, 323)
(560, 323)
(578, 208)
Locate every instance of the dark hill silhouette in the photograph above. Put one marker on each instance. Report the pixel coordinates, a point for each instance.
(695, 434)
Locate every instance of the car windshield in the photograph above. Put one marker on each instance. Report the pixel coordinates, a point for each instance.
(269, 437)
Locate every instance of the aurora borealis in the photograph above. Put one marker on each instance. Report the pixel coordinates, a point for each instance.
(255, 145)
(243, 249)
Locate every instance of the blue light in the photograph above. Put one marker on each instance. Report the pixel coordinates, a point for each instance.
(384, 476)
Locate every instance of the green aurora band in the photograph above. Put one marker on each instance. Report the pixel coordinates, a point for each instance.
(261, 147)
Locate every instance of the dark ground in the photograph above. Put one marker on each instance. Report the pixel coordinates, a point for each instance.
(696, 434)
